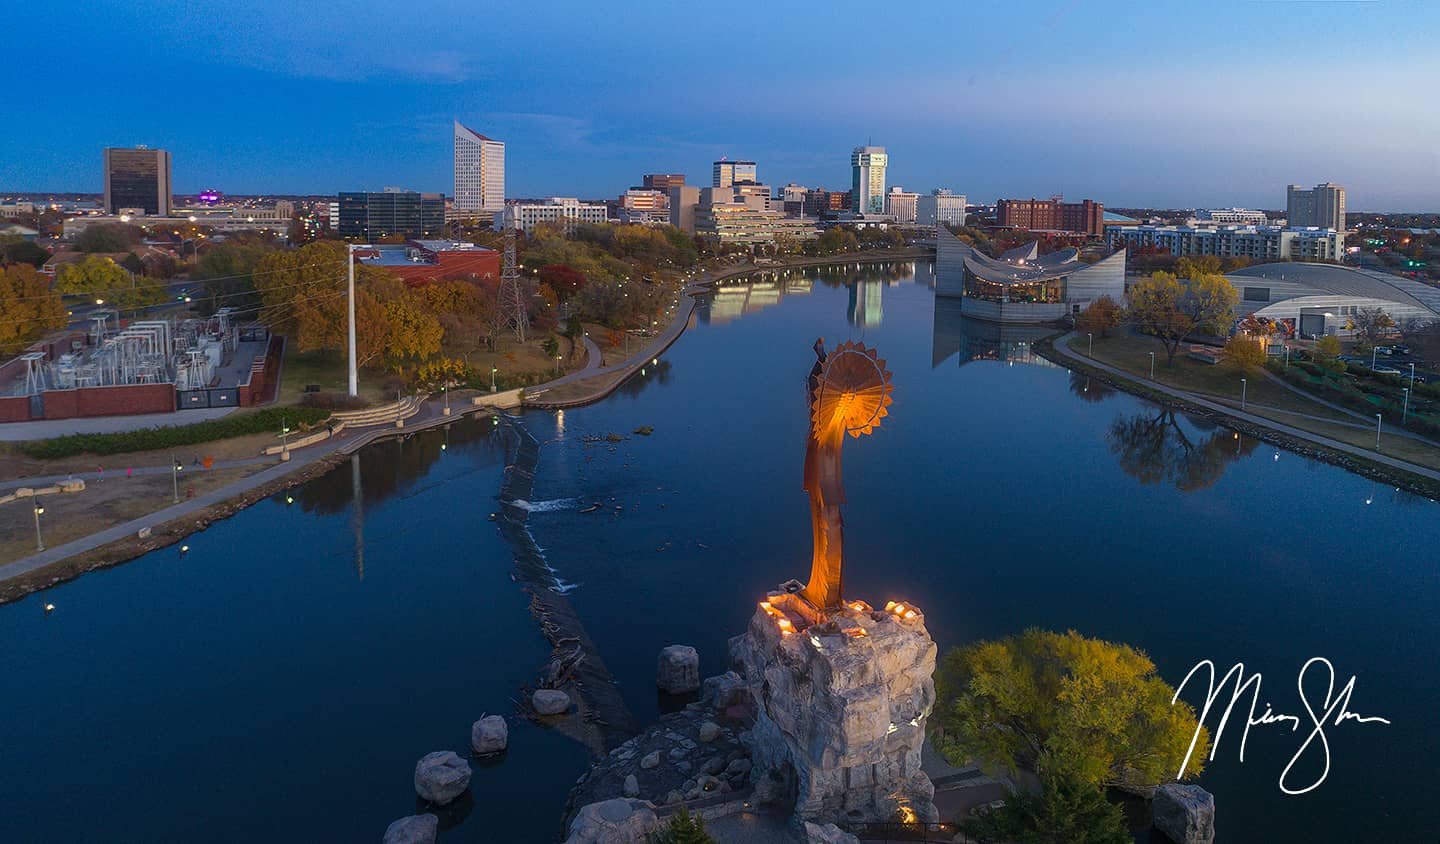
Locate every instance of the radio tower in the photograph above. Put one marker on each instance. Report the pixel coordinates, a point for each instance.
(510, 301)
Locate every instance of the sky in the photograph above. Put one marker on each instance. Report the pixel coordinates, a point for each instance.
(1145, 103)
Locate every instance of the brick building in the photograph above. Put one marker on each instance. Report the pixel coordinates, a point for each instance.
(1085, 217)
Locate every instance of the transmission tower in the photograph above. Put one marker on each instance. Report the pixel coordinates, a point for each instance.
(510, 302)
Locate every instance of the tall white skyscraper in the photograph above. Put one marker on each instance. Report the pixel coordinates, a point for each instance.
(867, 187)
(479, 172)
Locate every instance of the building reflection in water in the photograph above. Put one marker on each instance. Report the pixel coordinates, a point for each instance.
(759, 290)
(866, 308)
(357, 512)
(971, 339)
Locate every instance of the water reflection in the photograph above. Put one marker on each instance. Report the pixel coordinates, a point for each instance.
(953, 333)
(1088, 389)
(654, 373)
(1154, 447)
(865, 308)
(733, 299)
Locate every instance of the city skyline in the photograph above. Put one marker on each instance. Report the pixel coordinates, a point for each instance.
(266, 103)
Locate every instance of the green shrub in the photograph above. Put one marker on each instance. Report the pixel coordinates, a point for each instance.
(150, 439)
(1064, 812)
(683, 828)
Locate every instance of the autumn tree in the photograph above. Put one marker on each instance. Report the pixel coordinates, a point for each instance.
(108, 238)
(1102, 315)
(1244, 352)
(564, 281)
(28, 307)
(1202, 265)
(1170, 310)
(1082, 710)
(95, 276)
(1371, 323)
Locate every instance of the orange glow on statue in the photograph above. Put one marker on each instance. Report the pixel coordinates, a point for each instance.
(849, 393)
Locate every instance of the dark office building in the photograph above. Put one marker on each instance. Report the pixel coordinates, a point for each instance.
(137, 178)
(1087, 217)
(371, 216)
(663, 182)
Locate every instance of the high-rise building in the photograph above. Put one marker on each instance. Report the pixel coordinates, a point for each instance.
(727, 173)
(371, 216)
(901, 204)
(940, 206)
(479, 173)
(563, 211)
(1085, 217)
(867, 185)
(663, 181)
(137, 178)
(1322, 206)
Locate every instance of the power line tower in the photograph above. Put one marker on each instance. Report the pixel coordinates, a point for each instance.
(510, 301)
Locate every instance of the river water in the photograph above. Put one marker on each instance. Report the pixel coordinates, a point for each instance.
(279, 681)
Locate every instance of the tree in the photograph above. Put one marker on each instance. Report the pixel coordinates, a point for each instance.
(18, 250)
(1064, 812)
(1244, 352)
(1168, 309)
(564, 281)
(1085, 710)
(1328, 347)
(108, 238)
(1370, 323)
(551, 347)
(1102, 315)
(1154, 448)
(142, 292)
(414, 332)
(226, 270)
(28, 307)
(132, 264)
(95, 276)
(1192, 267)
(683, 828)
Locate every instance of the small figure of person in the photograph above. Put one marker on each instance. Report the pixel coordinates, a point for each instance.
(100, 472)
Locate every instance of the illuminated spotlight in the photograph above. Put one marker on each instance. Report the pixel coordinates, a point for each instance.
(289, 499)
(49, 608)
(184, 549)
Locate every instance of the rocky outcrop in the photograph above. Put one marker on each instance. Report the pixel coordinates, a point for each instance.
(441, 776)
(416, 829)
(678, 670)
(841, 707)
(550, 701)
(617, 821)
(489, 735)
(827, 834)
(1185, 813)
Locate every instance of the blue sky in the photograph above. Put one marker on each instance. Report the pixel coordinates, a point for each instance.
(1161, 103)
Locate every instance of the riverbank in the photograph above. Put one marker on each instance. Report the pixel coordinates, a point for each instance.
(119, 543)
(1367, 463)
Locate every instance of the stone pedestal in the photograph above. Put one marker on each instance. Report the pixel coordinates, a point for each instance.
(841, 701)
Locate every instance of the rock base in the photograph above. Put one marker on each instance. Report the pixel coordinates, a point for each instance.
(842, 699)
(1185, 813)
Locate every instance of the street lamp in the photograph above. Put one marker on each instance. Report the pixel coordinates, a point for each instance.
(1412, 376)
(446, 389)
(557, 362)
(493, 370)
(1374, 350)
(1091, 353)
(1405, 414)
(1377, 432)
(39, 544)
(1152, 366)
(1287, 355)
(1243, 387)
(175, 468)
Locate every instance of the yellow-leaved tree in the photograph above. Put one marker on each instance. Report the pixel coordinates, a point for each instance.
(1170, 309)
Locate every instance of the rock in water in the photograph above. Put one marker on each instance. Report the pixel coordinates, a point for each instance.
(615, 821)
(441, 776)
(1185, 813)
(489, 735)
(550, 701)
(632, 786)
(416, 829)
(678, 671)
(842, 710)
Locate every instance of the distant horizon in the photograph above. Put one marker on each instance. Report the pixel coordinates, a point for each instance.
(1028, 98)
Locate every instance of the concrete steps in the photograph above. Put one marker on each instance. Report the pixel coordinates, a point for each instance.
(389, 414)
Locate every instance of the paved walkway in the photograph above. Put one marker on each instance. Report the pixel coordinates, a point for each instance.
(44, 429)
(1062, 349)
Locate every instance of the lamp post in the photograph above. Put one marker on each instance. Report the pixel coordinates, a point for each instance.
(1405, 413)
(1412, 376)
(1374, 350)
(39, 543)
(493, 370)
(446, 389)
(1377, 432)
(557, 362)
(284, 436)
(1091, 353)
(1152, 366)
(1287, 355)
(1243, 387)
(174, 478)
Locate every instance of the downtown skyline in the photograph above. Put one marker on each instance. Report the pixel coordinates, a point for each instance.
(1018, 100)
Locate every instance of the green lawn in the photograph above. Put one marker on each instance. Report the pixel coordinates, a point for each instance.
(328, 371)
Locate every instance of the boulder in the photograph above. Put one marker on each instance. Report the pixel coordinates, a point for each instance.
(827, 834)
(713, 765)
(616, 821)
(650, 760)
(678, 670)
(1185, 813)
(709, 731)
(739, 767)
(632, 786)
(416, 829)
(550, 701)
(724, 691)
(489, 735)
(441, 776)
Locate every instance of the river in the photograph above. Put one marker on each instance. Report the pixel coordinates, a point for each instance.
(280, 679)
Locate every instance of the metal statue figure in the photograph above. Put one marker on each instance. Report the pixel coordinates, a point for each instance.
(849, 393)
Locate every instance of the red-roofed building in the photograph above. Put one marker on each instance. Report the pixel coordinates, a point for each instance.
(423, 261)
